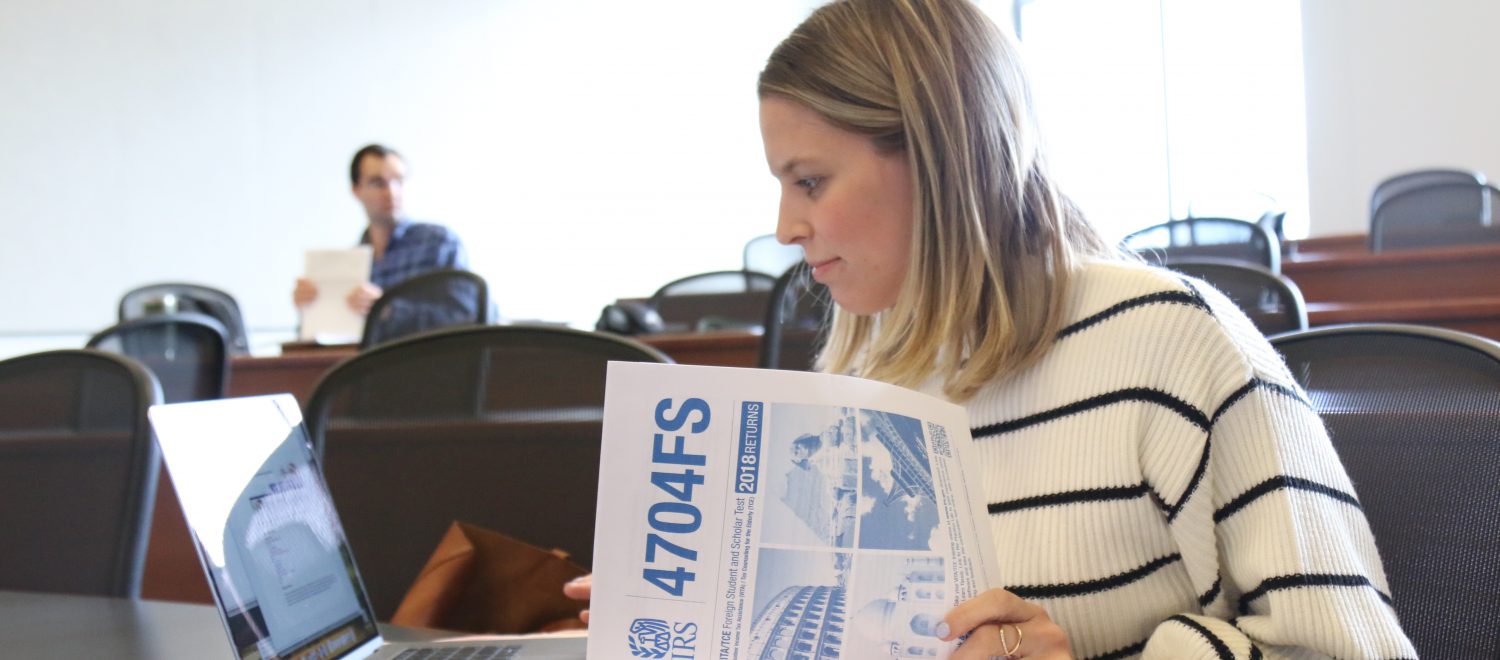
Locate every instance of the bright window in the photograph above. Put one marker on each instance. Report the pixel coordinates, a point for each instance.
(1157, 109)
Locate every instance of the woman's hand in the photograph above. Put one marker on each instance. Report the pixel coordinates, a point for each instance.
(581, 588)
(1001, 625)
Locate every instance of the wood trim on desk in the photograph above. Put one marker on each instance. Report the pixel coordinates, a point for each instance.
(727, 348)
(1334, 244)
(1329, 260)
(1465, 271)
(1479, 315)
(295, 373)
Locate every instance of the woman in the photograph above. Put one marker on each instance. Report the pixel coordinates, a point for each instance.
(1157, 484)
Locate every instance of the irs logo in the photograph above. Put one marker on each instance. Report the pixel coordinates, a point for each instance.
(654, 638)
(650, 638)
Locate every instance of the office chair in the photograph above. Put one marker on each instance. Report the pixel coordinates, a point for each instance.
(764, 254)
(78, 471)
(1273, 302)
(1275, 224)
(714, 300)
(1400, 183)
(797, 318)
(1435, 215)
(497, 426)
(187, 352)
(1414, 412)
(1214, 238)
(436, 299)
(170, 297)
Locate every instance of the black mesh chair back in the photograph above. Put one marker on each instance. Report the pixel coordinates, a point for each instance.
(435, 299)
(1436, 215)
(1213, 238)
(797, 319)
(1271, 300)
(1419, 179)
(78, 470)
(1414, 413)
(187, 353)
(726, 299)
(172, 297)
(497, 426)
(764, 254)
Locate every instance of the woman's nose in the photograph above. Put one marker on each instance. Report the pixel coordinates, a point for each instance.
(791, 228)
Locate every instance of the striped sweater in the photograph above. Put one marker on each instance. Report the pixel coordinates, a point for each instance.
(1159, 483)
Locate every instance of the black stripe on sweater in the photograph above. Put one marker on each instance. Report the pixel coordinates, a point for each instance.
(1237, 396)
(1094, 586)
(1192, 487)
(1213, 592)
(1143, 394)
(1070, 497)
(1287, 392)
(1189, 298)
(1122, 652)
(1251, 386)
(1220, 648)
(1229, 401)
(1281, 482)
(1301, 580)
(1255, 652)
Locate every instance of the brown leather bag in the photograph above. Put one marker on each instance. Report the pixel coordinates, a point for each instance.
(482, 581)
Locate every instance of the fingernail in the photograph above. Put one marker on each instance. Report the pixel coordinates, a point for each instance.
(942, 630)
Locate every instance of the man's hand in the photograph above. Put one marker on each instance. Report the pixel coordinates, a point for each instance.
(304, 293)
(362, 296)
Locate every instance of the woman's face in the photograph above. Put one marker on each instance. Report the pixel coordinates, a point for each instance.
(848, 205)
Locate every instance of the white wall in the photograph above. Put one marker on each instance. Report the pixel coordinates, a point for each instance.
(1395, 85)
(584, 150)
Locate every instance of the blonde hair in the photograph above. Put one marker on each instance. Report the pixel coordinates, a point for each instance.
(995, 243)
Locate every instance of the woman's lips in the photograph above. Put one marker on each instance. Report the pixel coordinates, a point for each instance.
(820, 268)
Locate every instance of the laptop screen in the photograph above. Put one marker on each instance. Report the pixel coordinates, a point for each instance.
(265, 527)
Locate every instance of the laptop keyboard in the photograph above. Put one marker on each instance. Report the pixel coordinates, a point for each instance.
(461, 653)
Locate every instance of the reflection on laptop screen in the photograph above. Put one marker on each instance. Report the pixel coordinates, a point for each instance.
(265, 527)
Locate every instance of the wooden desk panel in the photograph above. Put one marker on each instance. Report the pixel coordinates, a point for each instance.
(296, 373)
(1336, 244)
(1480, 316)
(729, 348)
(1471, 271)
(1455, 287)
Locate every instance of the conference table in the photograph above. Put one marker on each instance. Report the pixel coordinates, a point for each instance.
(1455, 287)
(66, 627)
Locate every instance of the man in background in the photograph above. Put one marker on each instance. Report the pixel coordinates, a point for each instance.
(402, 248)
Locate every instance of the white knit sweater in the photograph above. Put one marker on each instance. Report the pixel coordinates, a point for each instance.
(1159, 484)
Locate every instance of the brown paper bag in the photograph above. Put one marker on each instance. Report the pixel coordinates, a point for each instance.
(486, 582)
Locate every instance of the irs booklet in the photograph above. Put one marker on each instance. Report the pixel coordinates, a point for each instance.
(751, 513)
(328, 319)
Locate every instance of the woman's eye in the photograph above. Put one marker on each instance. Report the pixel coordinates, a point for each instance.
(810, 183)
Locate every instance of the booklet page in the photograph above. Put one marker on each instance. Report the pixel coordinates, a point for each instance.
(328, 318)
(750, 513)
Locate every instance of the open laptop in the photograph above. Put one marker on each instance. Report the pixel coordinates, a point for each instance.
(272, 544)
